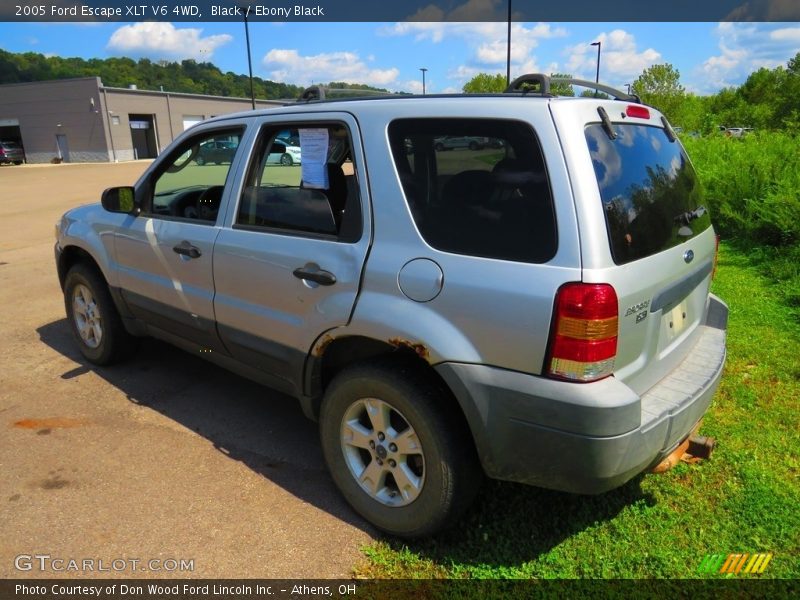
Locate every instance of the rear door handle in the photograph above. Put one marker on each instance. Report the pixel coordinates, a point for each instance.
(185, 248)
(312, 272)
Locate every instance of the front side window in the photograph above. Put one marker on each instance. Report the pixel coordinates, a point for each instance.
(190, 182)
(302, 181)
(651, 196)
(477, 187)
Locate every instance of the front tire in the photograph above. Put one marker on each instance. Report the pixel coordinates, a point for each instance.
(396, 451)
(93, 318)
(286, 160)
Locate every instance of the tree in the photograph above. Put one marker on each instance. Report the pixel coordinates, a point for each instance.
(561, 89)
(594, 94)
(483, 83)
(660, 86)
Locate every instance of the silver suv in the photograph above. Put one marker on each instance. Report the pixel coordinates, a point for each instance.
(536, 310)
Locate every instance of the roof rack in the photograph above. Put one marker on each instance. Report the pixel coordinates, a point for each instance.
(542, 84)
(321, 93)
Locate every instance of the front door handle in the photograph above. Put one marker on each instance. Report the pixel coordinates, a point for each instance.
(312, 272)
(185, 248)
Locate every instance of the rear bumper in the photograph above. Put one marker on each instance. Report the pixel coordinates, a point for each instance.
(586, 438)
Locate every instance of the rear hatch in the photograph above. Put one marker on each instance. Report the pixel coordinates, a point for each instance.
(644, 228)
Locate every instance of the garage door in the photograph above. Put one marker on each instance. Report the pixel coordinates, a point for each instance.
(189, 120)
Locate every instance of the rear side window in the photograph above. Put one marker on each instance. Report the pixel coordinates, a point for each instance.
(476, 186)
(651, 196)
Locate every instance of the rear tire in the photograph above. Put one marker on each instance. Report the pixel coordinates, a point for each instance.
(286, 160)
(200, 160)
(93, 317)
(396, 451)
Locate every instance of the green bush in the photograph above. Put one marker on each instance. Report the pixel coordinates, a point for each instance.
(752, 185)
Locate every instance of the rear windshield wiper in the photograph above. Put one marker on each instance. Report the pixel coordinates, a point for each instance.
(689, 216)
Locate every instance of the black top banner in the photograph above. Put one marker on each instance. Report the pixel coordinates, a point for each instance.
(407, 10)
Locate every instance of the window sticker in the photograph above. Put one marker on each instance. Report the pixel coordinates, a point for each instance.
(314, 146)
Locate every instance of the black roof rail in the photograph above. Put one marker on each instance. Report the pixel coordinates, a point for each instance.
(314, 92)
(545, 82)
(540, 79)
(323, 93)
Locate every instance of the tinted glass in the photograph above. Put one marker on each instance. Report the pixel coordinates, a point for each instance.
(476, 187)
(651, 196)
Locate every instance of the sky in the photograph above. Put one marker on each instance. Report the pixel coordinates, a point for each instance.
(709, 56)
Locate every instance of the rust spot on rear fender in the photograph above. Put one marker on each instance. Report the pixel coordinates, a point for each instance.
(322, 345)
(419, 349)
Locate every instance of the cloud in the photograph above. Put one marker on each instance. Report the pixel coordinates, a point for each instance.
(163, 40)
(744, 48)
(290, 66)
(487, 44)
(620, 58)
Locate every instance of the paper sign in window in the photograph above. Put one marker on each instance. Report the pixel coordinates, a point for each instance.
(314, 168)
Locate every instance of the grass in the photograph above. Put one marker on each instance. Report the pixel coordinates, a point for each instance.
(745, 499)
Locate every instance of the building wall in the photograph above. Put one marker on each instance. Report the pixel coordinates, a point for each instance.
(69, 107)
(168, 111)
(96, 119)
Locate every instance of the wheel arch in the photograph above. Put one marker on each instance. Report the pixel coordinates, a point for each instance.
(333, 355)
(72, 255)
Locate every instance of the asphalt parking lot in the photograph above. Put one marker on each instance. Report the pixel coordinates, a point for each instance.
(165, 458)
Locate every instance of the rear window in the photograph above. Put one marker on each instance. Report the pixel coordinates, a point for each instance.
(651, 196)
(476, 186)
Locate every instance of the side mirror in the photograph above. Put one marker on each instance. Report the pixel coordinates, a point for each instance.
(119, 200)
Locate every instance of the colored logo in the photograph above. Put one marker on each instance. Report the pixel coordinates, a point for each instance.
(736, 564)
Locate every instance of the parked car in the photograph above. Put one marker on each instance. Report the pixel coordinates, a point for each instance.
(11, 153)
(286, 153)
(216, 151)
(453, 142)
(540, 314)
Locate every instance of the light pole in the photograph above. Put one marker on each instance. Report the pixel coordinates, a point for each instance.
(249, 61)
(597, 76)
(508, 47)
(423, 69)
(628, 85)
(244, 6)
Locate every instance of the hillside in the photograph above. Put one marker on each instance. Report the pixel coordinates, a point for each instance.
(186, 76)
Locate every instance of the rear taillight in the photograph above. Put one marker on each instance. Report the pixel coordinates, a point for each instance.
(716, 257)
(583, 343)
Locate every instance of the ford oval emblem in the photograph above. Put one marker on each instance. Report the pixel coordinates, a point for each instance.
(688, 256)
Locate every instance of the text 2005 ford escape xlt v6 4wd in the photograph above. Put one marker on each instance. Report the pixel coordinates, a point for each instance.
(536, 309)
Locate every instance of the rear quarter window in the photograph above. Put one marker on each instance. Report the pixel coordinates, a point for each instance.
(651, 196)
(477, 187)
